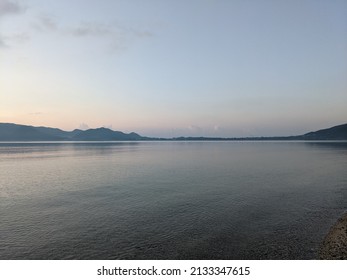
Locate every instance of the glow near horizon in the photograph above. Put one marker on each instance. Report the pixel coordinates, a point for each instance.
(172, 68)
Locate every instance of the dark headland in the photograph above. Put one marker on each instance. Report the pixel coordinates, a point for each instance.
(17, 132)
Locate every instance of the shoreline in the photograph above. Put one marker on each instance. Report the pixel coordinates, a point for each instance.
(334, 245)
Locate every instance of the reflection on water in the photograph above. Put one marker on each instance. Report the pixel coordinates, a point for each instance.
(169, 200)
(336, 145)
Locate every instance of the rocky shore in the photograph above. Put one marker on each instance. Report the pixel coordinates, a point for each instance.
(334, 246)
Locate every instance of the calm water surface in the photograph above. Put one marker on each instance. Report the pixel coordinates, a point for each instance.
(169, 200)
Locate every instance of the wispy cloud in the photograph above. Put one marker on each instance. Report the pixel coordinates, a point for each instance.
(216, 127)
(141, 33)
(91, 29)
(3, 44)
(109, 126)
(19, 38)
(45, 23)
(118, 36)
(195, 128)
(9, 41)
(9, 7)
(83, 126)
(115, 36)
(99, 29)
(35, 113)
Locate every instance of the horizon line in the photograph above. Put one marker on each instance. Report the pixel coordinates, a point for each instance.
(180, 137)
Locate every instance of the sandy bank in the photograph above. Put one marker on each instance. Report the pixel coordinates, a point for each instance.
(334, 246)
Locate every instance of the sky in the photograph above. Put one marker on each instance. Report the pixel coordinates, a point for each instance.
(169, 68)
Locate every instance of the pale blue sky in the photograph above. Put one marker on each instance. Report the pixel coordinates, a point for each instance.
(170, 68)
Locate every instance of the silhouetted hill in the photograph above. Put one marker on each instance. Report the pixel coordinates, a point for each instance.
(56, 132)
(105, 134)
(338, 132)
(16, 132)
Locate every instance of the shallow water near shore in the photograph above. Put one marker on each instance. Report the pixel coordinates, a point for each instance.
(169, 200)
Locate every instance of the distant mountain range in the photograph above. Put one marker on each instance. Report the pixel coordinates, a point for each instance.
(17, 132)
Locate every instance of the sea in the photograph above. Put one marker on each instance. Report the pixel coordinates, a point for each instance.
(169, 200)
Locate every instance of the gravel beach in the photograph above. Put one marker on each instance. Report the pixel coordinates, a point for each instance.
(334, 246)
